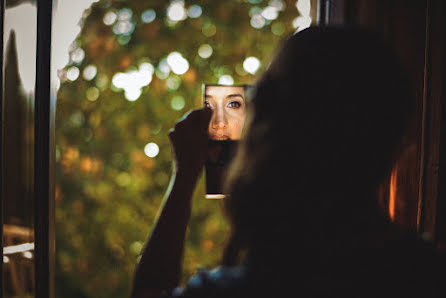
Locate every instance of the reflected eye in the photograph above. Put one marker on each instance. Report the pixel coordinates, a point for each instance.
(207, 104)
(234, 105)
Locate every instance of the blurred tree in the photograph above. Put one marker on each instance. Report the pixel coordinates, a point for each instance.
(135, 68)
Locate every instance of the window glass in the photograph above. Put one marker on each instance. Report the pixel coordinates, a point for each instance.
(19, 74)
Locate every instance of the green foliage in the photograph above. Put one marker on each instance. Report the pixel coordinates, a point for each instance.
(108, 191)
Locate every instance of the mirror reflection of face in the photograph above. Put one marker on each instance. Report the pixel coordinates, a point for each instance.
(229, 109)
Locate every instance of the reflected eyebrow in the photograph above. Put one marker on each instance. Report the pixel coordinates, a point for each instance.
(227, 96)
(235, 95)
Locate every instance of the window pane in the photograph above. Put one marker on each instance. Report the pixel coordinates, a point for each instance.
(19, 56)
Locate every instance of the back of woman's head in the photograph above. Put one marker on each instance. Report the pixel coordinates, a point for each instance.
(321, 133)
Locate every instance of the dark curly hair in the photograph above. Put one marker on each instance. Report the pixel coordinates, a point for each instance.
(321, 134)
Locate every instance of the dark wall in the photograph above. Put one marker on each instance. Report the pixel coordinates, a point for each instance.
(416, 30)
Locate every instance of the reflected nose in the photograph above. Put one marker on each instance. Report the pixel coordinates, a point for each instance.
(218, 119)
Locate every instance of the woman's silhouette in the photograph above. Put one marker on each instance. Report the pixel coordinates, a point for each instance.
(322, 132)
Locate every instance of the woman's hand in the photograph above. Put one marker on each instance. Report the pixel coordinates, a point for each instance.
(189, 139)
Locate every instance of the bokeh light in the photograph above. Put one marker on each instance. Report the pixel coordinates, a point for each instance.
(109, 18)
(277, 28)
(132, 94)
(27, 254)
(226, 80)
(101, 81)
(147, 67)
(177, 63)
(77, 55)
(136, 247)
(148, 16)
(92, 94)
(124, 39)
(194, 11)
(176, 11)
(278, 4)
(134, 80)
(123, 179)
(73, 73)
(304, 7)
(77, 119)
(300, 23)
(205, 51)
(254, 11)
(251, 65)
(304, 19)
(90, 72)
(151, 150)
(125, 14)
(177, 103)
(123, 27)
(258, 21)
(270, 13)
(163, 69)
(173, 82)
(209, 29)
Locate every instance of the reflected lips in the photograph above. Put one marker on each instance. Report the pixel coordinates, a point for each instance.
(220, 137)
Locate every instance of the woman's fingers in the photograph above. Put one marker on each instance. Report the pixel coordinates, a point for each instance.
(196, 119)
(205, 118)
(189, 139)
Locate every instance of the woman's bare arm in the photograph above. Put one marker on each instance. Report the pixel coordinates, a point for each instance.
(160, 265)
